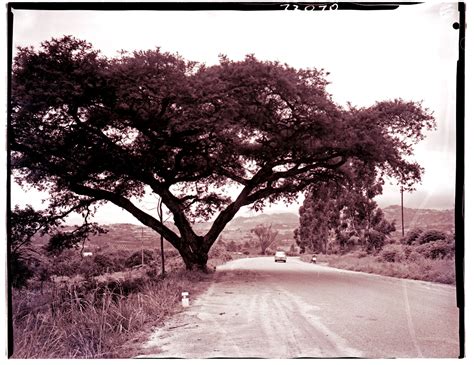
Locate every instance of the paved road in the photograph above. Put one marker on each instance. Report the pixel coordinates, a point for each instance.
(259, 308)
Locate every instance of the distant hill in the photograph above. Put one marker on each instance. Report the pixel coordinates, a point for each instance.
(426, 219)
(131, 237)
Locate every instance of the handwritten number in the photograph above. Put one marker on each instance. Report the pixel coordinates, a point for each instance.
(333, 6)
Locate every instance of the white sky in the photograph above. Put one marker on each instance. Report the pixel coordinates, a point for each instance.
(374, 55)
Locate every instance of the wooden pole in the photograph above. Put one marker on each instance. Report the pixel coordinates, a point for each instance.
(403, 223)
(160, 215)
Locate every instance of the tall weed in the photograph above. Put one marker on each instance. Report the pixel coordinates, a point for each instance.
(95, 322)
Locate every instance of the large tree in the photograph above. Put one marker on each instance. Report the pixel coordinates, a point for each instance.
(91, 129)
(265, 236)
(347, 212)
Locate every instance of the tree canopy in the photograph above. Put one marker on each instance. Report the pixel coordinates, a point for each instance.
(345, 214)
(90, 129)
(265, 236)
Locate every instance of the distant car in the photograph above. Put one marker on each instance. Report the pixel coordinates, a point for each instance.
(280, 256)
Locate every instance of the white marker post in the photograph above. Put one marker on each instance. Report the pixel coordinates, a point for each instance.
(185, 299)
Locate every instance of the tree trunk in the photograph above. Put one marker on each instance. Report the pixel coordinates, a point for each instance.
(195, 259)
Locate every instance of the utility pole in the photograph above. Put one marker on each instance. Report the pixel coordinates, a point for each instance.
(403, 225)
(160, 215)
(142, 246)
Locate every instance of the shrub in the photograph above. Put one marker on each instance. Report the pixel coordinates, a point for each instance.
(432, 235)
(375, 240)
(136, 258)
(232, 246)
(68, 263)
(219, 252)
(392, 253)
(118, 258)
(20, 270)
(293, 251)
(353, 241)
(103, 264)
(411, 237)
(414, 256)
(436, 249)
(360, 254)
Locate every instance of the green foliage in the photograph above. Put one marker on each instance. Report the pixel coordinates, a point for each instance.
(89, 129)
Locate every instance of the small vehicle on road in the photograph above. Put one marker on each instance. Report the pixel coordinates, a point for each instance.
(280, 256)
(313, 259)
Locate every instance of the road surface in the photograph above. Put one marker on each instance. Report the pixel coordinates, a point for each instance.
(259, 308)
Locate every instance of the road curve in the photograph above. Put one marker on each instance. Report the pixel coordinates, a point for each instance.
(259, 308)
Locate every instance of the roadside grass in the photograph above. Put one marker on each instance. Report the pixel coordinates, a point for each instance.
(438, 270)
(106, 318)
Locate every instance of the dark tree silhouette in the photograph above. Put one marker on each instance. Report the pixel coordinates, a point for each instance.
(348, 211)
(87, 128)
(25, 223)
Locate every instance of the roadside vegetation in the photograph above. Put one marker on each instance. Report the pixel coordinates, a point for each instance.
(346, 229)
(410, 258)
(99, 306)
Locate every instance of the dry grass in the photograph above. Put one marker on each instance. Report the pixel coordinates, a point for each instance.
(440, 270)
(96, 321)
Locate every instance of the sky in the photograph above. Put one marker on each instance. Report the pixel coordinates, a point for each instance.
(372, 56)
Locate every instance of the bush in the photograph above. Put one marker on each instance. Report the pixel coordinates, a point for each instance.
(353, 241)
(68, 263)
(436, 249)
(232, 246)
(360, 254)
(103, 264)
(375, 240)
(432, 235)
(118, 258)
(136, 258)
(20, 270)
(219, 252)
(411, 237)
(293, 251)
(392, 253)
(415, 256)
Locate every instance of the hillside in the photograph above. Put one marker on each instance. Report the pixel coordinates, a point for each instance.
(426, 219)
(131, 237)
